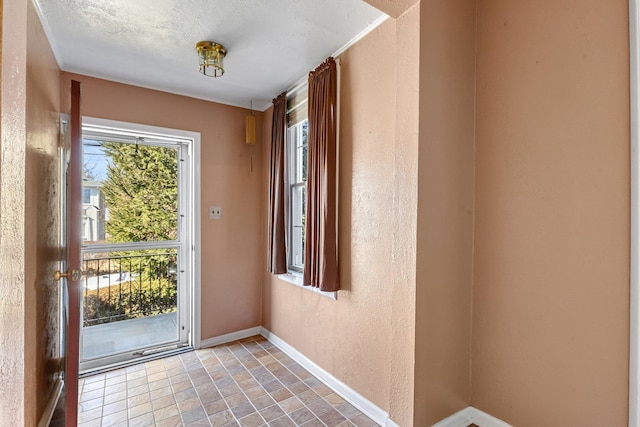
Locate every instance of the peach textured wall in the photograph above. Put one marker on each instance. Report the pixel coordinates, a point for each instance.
(231, 176)
(13, 386)
(42, 218)
(28, 217)
(350, 337)
(551, 276)
(402, 264)
(445, 209)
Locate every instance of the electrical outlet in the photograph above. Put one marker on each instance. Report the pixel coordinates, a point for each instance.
(215, 212)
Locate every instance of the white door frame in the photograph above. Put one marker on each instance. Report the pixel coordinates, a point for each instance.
(195, 210)
(634, 342)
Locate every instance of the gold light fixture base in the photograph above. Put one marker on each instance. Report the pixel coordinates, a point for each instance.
(210, 56)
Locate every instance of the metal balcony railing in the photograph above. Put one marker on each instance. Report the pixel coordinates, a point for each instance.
(124, 286)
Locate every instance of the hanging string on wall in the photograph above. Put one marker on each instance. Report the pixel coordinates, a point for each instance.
(250, 126)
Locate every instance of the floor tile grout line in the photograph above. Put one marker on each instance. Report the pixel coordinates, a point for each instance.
(213, 382)
(310, 388)
(304, 405)
(218, 388)
(241, 389)
(276, 402)
(194, 388)
(238, 385)
(286, 415)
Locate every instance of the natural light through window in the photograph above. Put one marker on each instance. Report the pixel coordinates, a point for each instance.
(297, 170)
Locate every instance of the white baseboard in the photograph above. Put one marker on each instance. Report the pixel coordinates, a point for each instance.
(390, 423)
(51, 404)
(234, 336)
(482, 419)
(459, 419)
(350, 395)
(471, 415)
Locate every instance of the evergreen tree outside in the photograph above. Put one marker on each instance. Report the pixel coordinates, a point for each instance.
(141, 192)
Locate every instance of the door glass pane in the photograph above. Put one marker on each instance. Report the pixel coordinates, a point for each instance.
(129, 300)
(131, 192)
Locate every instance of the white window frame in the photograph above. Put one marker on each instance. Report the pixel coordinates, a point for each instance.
(295, 182)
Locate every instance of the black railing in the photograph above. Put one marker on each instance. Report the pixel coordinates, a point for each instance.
(125, 286)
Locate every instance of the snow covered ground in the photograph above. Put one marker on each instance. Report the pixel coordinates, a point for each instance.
(105, 280)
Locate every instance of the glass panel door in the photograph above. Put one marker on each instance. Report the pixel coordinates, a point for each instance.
(135, 300)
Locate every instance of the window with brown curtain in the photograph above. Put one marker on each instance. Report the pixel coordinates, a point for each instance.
(321, 238)
(277, 257)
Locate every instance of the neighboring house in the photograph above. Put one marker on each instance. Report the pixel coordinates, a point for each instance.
(93, 211)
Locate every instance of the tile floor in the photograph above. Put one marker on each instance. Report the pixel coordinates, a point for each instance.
(245, 383)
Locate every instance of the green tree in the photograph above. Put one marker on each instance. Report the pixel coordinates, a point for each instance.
(141, 192)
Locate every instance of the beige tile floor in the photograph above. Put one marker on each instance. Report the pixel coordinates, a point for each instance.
(244, 383)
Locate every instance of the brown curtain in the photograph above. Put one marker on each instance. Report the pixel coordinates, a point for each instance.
(321, 240)
(277, 262)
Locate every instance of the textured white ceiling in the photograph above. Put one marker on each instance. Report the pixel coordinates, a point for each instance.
(271, 44)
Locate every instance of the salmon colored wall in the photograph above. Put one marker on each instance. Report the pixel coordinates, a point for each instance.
(42, 219)
(13, 329)
(231, 176)
(445, 209)
(551, 279)
(350, 338)
(28, 217)
(402, 264)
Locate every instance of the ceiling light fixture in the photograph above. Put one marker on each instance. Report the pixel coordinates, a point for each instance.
(210, 56)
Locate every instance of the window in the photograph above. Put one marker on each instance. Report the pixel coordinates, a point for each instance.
(296, 160)
(86, 195)
(303, 183)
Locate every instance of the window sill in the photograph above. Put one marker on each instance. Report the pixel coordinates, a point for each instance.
(296, 279)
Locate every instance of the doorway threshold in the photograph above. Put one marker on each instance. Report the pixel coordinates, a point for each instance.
(136, 361)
